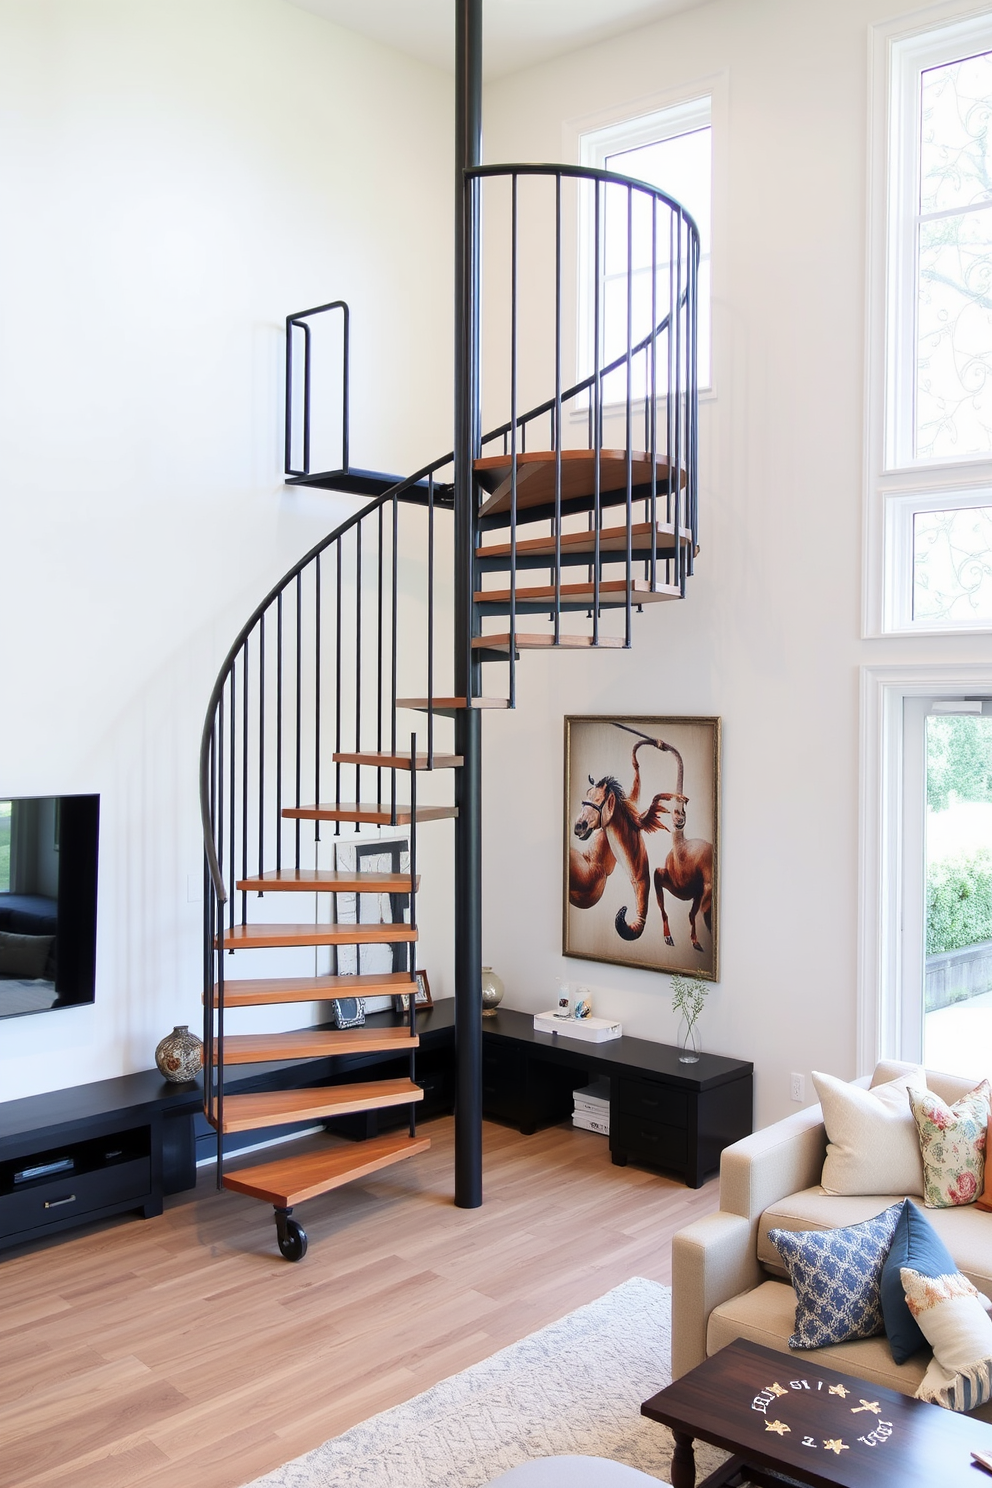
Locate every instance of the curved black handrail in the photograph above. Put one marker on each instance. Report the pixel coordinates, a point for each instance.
(395, 492)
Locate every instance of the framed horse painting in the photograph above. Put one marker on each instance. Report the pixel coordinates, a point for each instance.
(641, 877)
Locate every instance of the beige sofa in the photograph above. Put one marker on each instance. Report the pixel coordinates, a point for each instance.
(728, 1280)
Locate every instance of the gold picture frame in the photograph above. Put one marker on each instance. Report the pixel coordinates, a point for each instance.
(642, 837)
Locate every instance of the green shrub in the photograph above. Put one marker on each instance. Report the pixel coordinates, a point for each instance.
(959, 902)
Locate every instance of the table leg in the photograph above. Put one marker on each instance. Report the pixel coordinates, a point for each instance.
(683, 1462)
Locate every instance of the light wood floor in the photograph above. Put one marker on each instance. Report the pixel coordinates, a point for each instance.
(184, 1351)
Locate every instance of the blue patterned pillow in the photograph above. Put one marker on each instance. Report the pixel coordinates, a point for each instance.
(837, 1278)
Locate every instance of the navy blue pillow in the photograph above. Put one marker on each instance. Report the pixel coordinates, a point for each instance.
(915, 1244)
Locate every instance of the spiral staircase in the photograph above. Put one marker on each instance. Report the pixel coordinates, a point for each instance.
(325, 718)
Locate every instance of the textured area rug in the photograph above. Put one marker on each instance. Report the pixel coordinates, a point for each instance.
(573, 1387)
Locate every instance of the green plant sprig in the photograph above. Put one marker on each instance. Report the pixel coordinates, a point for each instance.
(688, 996)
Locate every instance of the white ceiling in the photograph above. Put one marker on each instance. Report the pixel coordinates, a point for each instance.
(517, 34)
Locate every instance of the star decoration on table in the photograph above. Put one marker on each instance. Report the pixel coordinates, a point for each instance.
(866, 1405)
(836, 1446)
(777, 1426)
(776, 1389)
(840, 1390)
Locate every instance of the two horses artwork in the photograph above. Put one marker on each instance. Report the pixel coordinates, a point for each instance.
(612, 827)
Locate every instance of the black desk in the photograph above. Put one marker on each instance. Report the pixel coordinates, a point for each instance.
(663, 1113)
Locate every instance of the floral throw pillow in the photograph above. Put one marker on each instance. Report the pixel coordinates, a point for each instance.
(952, 1144)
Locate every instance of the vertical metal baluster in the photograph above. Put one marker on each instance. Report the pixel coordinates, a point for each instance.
(338, 699)
(412, 954)
(288, 432)
(278, 810)
(430, 621)
(693, 448)
(514, 229)
(673, 564)
(261, 742)
(358, 657)
(556, 414)
(299, 709)
(597, 419)
(652, 440)
(219, 1048)
(210, 908)
(378, 647)
(629, 418)
(244, 778)
(316, 702)
(675, 477)
(345, 386)
(232, 898)
(394, 660)
(306, 398)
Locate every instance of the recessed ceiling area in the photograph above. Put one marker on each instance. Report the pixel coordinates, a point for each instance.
(517, 34)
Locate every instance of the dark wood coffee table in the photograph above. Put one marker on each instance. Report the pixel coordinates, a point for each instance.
(783, 1416)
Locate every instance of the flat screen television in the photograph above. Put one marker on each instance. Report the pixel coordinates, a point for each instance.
(49, 849)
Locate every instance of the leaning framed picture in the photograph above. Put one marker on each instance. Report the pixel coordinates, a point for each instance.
(642, 816)
(422, 997)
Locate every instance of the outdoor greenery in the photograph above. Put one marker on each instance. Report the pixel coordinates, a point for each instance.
(959, 887)
(959, 760)
(959, 901)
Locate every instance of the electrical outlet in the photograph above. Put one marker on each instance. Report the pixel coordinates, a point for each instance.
(797, 1088)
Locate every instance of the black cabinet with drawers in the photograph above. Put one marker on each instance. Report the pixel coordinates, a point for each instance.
(665, 1114)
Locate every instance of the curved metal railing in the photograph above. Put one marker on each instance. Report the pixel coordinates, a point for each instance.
(316, 669)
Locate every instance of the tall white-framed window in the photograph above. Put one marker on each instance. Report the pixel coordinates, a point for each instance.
(929, 428)
(926, 866)
(671, 148)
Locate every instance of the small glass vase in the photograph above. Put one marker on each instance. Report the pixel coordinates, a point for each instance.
(688, 1043)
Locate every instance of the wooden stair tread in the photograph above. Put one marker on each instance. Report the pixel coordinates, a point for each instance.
(262, 991)
(373, 813)
(400, 761)
(326, 881)
(611, 540)
(522, 642)
(254, 937)
(450, 704)
(536, 476)
(314, 1043)
(290, 1180)
(284, 1107)
(641, 592)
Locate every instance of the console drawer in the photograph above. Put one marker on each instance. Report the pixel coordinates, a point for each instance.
(75, 1193)
(651, 1142)
(652, 1102)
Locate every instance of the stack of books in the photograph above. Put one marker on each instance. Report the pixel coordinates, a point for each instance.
(592, 1107)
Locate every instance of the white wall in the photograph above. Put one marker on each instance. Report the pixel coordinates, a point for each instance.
(176, 176)
(769, 636)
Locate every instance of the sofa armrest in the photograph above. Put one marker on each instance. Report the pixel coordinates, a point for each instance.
(772, 1163)
(713, 1259)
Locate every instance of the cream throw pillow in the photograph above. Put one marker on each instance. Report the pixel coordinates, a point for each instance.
(952, 1316)
(873, 1146)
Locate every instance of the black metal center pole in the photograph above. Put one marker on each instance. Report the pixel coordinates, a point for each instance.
(468, 736)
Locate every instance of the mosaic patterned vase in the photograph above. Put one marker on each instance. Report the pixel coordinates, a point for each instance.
(492, 992)
(180, 1055)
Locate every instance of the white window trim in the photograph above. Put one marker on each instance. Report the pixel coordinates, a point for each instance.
(895, 47)
(618, 119)
(880, 1027)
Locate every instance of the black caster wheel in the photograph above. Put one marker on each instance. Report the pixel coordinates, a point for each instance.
(292, 1237)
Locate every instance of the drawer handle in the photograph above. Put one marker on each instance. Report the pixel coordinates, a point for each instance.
(57, 1203)
(646, 1102)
